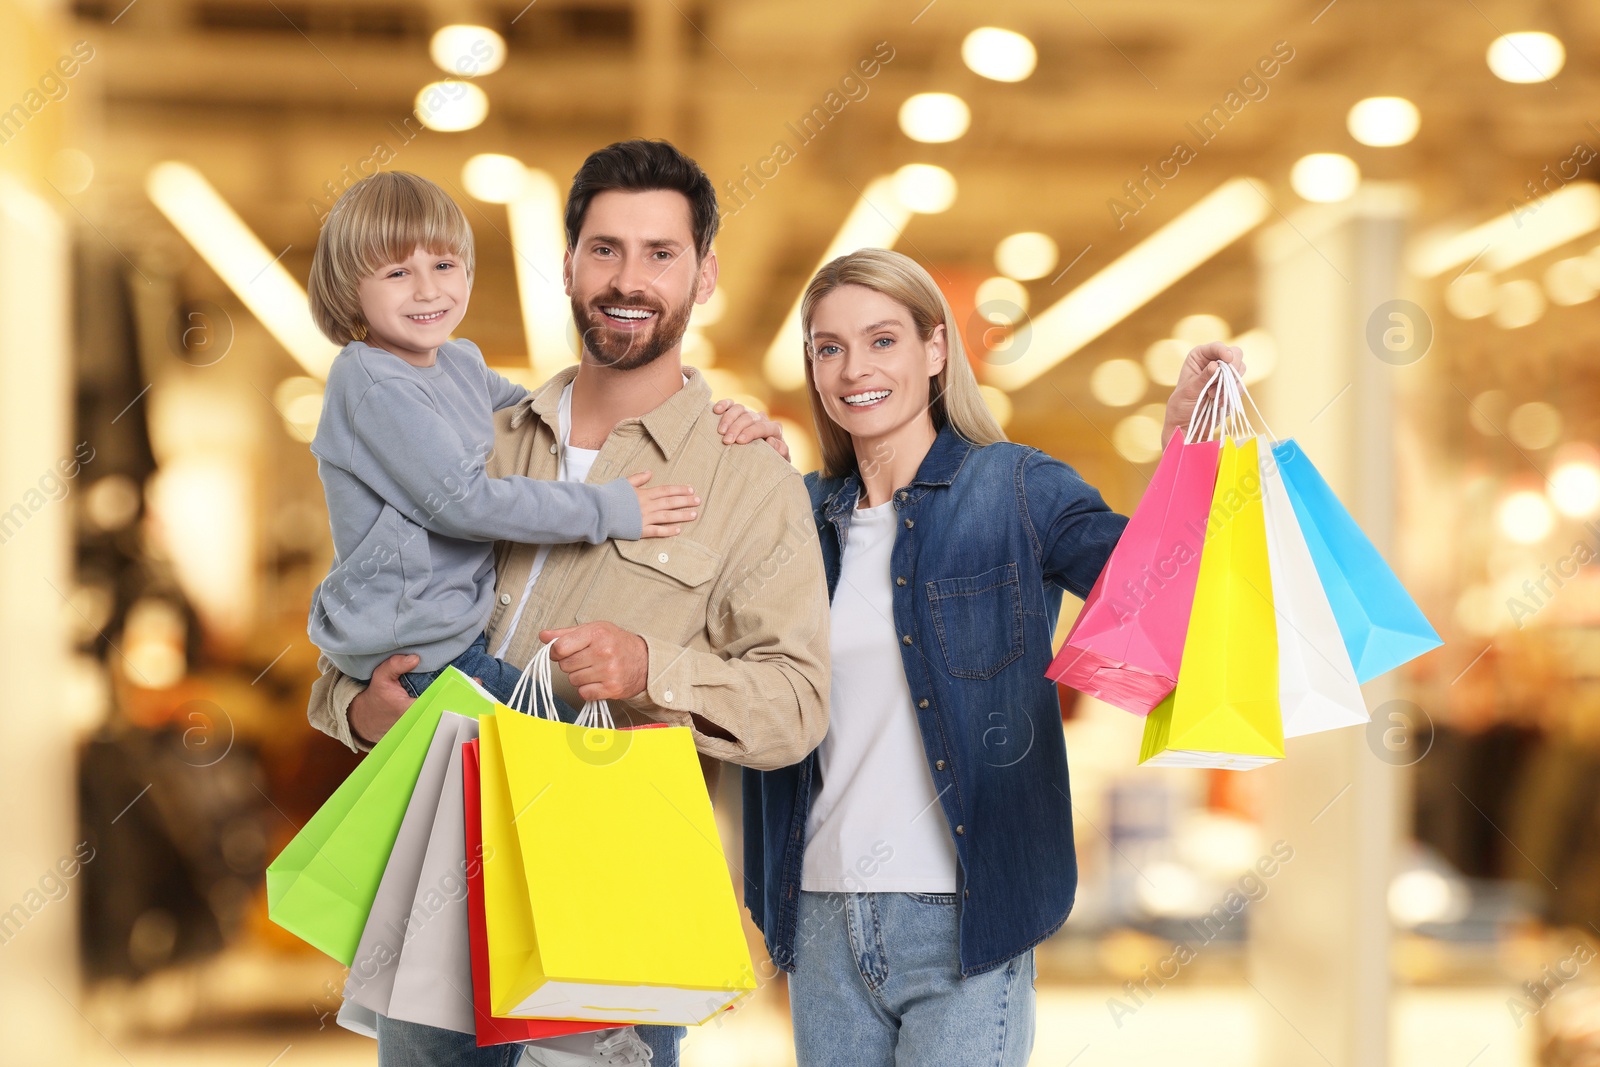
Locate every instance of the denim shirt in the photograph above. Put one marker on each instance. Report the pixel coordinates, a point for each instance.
(989, 537)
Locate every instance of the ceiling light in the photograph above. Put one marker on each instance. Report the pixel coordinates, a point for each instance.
(1383, 121)
(1325, 177)
(1117, 383)
(494, 178)
(1026, 256)
(451, 106)
(1525, 58)
(1001, 55)
(229, 247)
(934, 118)
(1515, 237)
(1525, 517)
(1132, 280)
(467, 51)
(1520, 303)
(925, 188)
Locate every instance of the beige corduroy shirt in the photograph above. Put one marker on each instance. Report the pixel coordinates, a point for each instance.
(734, 610)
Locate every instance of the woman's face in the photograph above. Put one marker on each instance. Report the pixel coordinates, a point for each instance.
(871, 369)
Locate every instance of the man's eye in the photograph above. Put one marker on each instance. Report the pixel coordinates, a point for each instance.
(663, 255)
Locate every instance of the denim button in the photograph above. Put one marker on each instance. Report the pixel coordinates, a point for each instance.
(910, 523)
(938, 765)
(962, 830)
(904, 494)
(906, 640)
(922, 703)
(900, 581)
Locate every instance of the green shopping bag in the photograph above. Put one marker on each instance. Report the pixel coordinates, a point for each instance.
(320, 888)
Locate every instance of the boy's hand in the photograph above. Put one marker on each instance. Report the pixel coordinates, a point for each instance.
(740, 426)
(380, 705)
(664, 506)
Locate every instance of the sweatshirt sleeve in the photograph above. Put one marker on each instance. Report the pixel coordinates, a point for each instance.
(408, 453)
(503, 392)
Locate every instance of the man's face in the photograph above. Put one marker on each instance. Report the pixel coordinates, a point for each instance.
(634, 277)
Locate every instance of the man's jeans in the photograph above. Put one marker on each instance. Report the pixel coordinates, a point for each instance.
(877, 981)
(402, 1044)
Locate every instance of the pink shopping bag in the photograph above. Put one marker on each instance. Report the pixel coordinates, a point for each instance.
(1127, 643)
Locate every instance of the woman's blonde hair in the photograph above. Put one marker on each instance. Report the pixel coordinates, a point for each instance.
(953, 395)
(380, 219)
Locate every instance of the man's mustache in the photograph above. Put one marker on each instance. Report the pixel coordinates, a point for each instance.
(616, 299)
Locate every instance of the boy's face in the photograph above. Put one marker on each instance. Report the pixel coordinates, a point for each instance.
(634, 277)
(412, 307)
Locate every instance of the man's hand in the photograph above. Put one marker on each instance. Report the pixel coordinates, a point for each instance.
(740, 426)
(601, 659)
(384, 700)
(1196, 371)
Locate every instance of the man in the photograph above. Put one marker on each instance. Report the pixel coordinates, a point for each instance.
(723, 628)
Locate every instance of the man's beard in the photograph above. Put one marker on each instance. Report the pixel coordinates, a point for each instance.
(622, 350)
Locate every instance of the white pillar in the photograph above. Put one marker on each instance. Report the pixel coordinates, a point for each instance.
(38, 904)
(1320, 939)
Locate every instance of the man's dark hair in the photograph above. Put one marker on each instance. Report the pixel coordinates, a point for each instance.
(640, 166)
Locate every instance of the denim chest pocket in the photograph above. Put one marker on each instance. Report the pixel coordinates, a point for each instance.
(979, 621)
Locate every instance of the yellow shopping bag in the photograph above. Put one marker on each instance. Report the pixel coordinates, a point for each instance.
(1225, 710)
(607, 894)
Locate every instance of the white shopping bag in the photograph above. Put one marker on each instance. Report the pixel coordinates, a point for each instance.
(1316, 681)
(413, 962)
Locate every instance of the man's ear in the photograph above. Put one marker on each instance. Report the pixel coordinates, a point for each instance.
(566, 271)
(937, 350)
(708, 278)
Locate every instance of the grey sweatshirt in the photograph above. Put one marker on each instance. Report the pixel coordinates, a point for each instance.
(401, 452)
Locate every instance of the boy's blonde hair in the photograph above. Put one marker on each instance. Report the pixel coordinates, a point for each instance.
(953, 395)
(380, 219)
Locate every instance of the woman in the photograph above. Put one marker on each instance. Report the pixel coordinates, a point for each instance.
(905, 870)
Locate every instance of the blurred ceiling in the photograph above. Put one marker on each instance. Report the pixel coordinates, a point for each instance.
(272, 100)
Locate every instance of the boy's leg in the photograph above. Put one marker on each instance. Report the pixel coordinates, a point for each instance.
(498, 676)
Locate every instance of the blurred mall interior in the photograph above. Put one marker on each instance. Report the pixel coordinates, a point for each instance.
(1389, 204)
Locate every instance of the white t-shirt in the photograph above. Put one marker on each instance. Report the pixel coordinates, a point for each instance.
(875, 824)
(573, 466)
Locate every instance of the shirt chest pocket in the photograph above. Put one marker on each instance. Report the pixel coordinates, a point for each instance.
(655, 587)
(978, 621)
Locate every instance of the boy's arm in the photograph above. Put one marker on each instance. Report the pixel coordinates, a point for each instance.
(410, 455)
(503, 392)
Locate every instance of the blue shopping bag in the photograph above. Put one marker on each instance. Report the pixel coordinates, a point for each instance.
(1381, 625)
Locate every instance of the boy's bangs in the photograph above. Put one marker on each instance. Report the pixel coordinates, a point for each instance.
(408, 222)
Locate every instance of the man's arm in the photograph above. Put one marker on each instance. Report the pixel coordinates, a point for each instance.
(359, 713)
(759, 698)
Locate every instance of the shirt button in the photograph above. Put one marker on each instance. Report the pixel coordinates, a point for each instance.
(910, 523)
(962, 830)
(903, 494)
(900, 581)
(505, 598)
(906, 640)
(667, 696)
(922, 703)
(552, 448)
(938, 765)
(662, 558)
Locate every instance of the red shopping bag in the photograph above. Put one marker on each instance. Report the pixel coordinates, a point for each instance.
(493, 1030)
(1127, 643)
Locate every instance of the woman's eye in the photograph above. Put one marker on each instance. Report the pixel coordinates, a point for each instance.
(884, 341)
(828, 350)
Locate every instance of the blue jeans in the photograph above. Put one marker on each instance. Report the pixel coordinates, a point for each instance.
(403, 1044)
(877, 981)
(495, 675)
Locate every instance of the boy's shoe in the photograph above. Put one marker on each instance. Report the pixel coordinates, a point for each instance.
(597, 1048)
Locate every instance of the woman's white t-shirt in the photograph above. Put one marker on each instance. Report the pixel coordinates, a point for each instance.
(875, 824)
